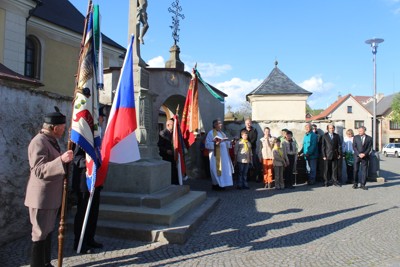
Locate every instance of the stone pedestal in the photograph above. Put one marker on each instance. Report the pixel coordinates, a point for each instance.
(145, 176)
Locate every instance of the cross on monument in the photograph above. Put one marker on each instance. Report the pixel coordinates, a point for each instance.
(175, 20)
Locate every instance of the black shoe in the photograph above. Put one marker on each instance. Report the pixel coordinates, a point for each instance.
(246, 187)
(239, 187)
(337, 184)
(94, 244)
(84, 249)
(363, 187)
(355, 186)
(326, 184)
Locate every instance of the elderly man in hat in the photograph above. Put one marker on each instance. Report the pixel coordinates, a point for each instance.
(44, 189)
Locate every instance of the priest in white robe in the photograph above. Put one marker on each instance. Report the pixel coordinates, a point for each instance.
(221, 167)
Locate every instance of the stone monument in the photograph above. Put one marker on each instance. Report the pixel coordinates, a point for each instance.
(138, 200)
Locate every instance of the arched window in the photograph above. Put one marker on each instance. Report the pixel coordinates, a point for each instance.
(32, 57)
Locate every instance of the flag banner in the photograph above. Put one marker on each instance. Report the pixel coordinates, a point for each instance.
(212, 92)
(191, 124)
(98, 45)
(85, 117)
(119, 142)
(179, 148)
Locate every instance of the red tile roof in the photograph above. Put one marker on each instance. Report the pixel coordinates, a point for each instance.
(362, 99)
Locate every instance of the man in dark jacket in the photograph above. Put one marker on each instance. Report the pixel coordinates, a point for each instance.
(253, 138)
(362, 146)
(80, 188)
(331, 149)
(166, 150)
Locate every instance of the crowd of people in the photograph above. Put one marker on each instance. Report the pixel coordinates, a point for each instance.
(274, 160)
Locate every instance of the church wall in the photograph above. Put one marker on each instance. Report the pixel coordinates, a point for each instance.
(21, 112)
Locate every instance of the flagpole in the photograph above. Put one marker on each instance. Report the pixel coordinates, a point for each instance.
(61, 228)
(89, 205)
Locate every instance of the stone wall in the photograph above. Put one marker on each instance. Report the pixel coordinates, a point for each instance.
(21, 116)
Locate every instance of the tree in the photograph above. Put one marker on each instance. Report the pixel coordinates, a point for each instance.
(244, 111)
(395, 116)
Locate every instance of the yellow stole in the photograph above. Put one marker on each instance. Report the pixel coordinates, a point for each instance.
(217, 154)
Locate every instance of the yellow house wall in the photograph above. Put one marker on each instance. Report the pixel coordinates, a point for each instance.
(386, 133)
(291, 108)
(59, 63)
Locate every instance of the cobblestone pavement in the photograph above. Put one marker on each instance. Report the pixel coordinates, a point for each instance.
(306, 226)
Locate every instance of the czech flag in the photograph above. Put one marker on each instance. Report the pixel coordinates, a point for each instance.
(119, 142)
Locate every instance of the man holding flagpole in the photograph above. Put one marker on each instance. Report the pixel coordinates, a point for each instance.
(44, 189)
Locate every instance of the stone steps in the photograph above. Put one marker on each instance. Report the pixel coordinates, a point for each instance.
(156, 200)
(163, 216)
(177, 233)
(170, 214)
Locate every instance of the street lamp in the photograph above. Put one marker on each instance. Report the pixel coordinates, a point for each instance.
(374, 45)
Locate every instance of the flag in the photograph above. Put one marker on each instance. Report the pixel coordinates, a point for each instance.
(98, 45)
(119, 142)
(206, 85)
(192, 124)
(178, 145)
(85, 117)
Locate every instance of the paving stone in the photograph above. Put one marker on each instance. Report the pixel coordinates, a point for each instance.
(307, 226)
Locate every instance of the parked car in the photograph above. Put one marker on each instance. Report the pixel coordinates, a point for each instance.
(391, 149)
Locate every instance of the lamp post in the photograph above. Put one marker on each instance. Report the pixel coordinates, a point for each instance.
(374, 45)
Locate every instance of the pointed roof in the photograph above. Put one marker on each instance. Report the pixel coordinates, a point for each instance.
(362, 99)
(325, 114)
(64, 14)
(277, 83)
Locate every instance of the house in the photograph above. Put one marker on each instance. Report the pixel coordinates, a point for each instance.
(278, 98)
(350, 111)
(41, 39)
(388, 131)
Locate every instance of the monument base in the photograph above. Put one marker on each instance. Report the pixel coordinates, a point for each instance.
(138, 202)
(144, 176)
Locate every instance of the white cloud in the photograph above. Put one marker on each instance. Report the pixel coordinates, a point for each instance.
(157, 62)
(237, 89)
(316, 85)
(323, 92)
(208, 70)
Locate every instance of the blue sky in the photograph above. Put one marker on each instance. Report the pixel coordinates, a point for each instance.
(320, 45)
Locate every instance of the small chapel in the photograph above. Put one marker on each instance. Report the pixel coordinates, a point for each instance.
(278, 98)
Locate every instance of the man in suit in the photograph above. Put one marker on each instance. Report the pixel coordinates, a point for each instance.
(362, 146)
(166, 149)
(43, 192)
(331, 149)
